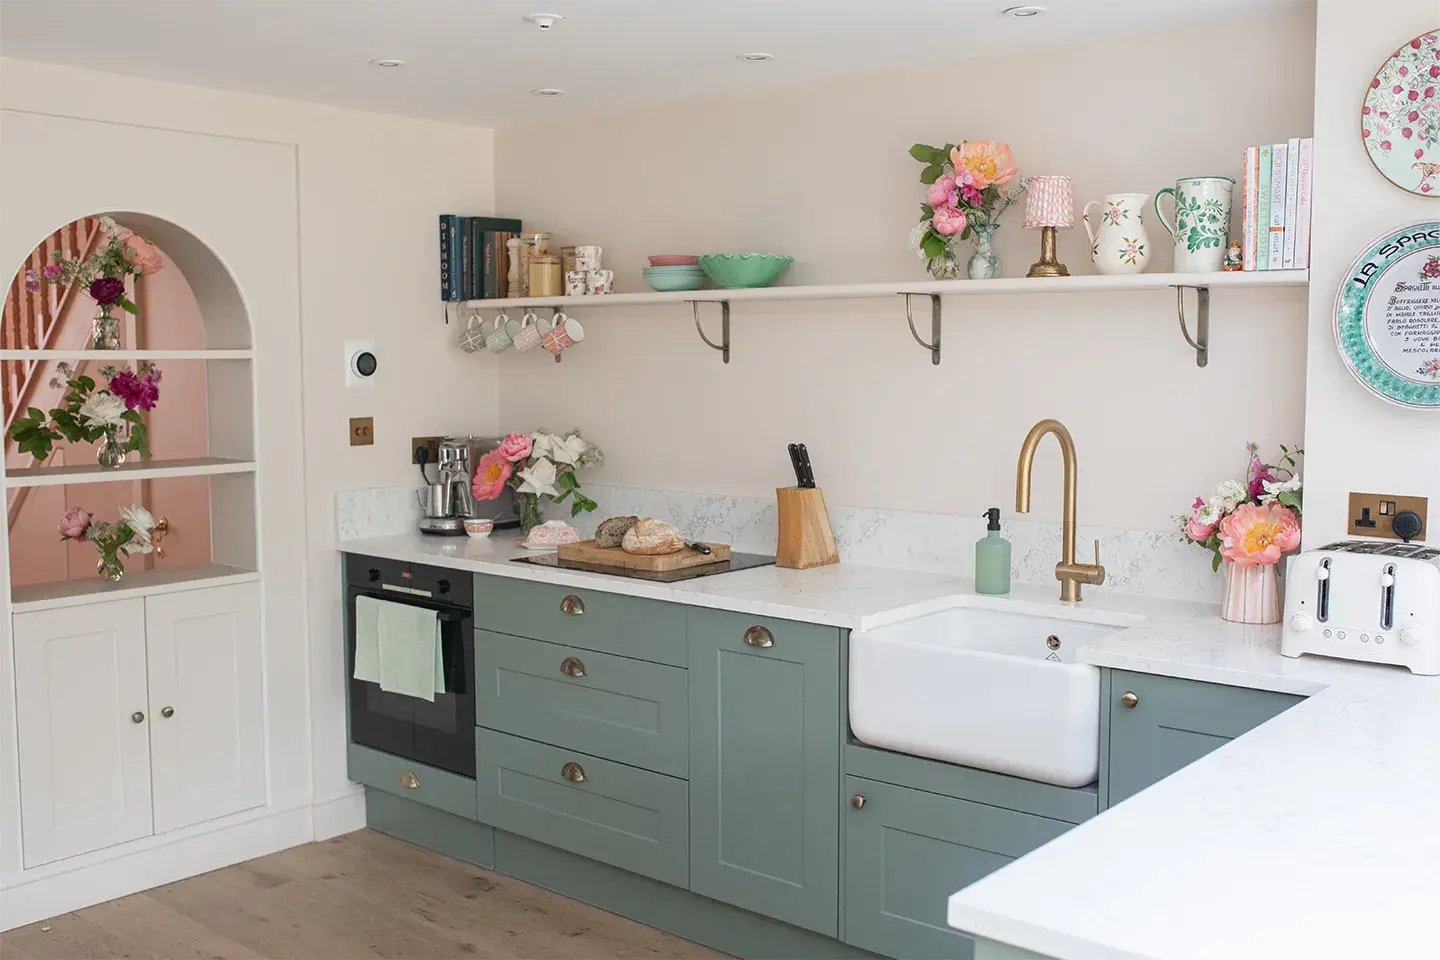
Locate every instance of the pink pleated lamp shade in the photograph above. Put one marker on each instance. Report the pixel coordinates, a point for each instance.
(1049, 203)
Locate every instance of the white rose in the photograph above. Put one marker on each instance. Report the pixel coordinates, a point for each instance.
(102, 409)
(139, 520)
(568, 450)
(541, 444)
(539, 478)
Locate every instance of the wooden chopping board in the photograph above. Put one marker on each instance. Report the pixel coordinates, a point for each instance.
(588, 551)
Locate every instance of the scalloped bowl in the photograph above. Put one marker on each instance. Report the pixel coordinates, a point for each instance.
(737, 270)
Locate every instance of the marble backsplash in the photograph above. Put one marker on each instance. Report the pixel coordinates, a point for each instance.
(1150, 563)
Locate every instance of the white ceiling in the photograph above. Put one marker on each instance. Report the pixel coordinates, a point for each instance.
(475, 61)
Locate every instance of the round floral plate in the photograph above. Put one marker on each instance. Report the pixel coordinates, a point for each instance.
(1387, 316)
(1400, 118)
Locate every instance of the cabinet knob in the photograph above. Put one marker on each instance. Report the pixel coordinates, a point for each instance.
(1128, 700)
(573, 772)
(167, 712)
(573, 606)
(409, 781)
(759, 637)
(572, 667)
(857, 801)
(137, 717)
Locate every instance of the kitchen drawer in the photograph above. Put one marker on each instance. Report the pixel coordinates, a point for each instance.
(440, 789)
(621, 815)
(613, 707)
(907, 850)
(607, 622)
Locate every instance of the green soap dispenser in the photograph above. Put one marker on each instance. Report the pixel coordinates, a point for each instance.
(992, 558)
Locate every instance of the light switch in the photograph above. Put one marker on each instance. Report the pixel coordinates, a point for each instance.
(362, 431)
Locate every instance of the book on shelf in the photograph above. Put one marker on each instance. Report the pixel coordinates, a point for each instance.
(449, 257)
(1292, 184)
(467, 260)
(485, 272)
(474, 260)
(1249, 196)
(1304, 184)
(1277, 204)
(1262, 209)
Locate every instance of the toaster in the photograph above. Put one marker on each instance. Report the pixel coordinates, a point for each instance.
(1364, 600)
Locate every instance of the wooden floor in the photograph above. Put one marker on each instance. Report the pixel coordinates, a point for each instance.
(362, 895)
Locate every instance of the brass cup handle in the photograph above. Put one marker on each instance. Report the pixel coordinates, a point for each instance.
(1128, 700)
(137, 717)
(858, 802)
(572, 606)
(572, 667)
(759, 637)
(573, 772)
(167, 712)
(409, 781)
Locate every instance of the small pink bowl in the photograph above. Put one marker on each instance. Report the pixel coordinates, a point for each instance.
(673, 260)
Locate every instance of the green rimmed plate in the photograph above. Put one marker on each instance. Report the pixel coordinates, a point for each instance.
(1387, 316)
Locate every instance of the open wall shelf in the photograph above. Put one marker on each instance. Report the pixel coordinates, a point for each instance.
(135, 469)
(126, 355)
(141, 583)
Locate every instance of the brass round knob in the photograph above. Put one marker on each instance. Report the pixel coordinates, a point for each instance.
(572, 667)
(572, 606)
(573, 772)
(759, 637)
(857, 801)
(137, 717)
(1128, 700)
(167, 712)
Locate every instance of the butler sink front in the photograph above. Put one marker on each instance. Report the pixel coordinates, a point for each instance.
(984, 684)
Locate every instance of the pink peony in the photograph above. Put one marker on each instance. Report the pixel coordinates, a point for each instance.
(490, 476)
(516, 447)
(986, 162)
(1255, 535)
(1197, 531)
(948, 221)
(941, 192)
(144, 255)
(74, 524)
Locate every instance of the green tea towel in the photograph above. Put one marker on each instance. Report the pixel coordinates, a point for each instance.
(397, 645)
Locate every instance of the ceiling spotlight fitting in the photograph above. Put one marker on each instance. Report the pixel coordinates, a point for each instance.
(547, 92)
(544, 21)
(1023, 13)
(387, 63)
(755, 57)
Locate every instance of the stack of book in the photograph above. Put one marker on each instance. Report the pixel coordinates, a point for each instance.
(474, 259)
(1278, 179)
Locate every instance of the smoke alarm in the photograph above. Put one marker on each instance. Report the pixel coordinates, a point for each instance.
(544, 21)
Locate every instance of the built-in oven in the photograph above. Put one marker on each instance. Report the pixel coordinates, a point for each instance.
(440, 734)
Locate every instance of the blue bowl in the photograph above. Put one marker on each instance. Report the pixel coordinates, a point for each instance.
(667, 282)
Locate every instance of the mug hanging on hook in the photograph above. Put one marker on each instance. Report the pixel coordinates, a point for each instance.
(472, 338)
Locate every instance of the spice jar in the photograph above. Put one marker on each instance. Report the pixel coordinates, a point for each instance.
(567, 259)
(546, 279)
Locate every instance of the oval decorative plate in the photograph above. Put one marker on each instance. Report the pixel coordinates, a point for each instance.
(1400, 118)
(1387, 316)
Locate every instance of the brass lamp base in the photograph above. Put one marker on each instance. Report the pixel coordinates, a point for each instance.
(1047, 265)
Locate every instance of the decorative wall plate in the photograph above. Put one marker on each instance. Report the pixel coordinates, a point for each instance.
(1400, 118)
(1387, 316)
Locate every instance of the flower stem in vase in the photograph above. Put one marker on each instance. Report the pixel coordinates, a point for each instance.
(110, 567)
(110, 454)
(530, 512)
(105, 329)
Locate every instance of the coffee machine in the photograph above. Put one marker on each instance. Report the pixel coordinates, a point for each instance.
(446, 504)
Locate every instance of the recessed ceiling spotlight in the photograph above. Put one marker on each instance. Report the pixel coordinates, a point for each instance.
(387, 63)
(755, 57)
(1025, 12)
(543, 21)
(547, 92)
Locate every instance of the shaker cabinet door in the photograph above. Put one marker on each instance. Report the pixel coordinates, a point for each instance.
(765, 766)
(83, 719)
(207, 729)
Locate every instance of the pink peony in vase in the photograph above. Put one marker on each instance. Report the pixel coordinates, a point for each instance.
(491, 474)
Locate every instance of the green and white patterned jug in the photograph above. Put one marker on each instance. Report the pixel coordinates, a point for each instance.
(1201, 227)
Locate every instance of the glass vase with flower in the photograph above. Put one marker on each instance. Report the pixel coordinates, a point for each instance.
(135, 532)
(111, 416)
(538, 465)
(965, 197)
(103, 275)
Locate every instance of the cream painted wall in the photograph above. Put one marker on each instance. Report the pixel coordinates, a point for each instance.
(821, 173)
(369, 189)
(1354, 441)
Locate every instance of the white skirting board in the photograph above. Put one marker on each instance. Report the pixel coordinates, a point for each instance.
(342, 813)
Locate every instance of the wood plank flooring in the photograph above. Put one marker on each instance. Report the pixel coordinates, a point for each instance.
(363, 895)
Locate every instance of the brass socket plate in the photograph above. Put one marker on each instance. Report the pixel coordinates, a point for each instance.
(430, 444)
(362, 431)
(1382, 508)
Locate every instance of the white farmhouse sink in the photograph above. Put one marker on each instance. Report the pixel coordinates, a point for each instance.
(978, 684)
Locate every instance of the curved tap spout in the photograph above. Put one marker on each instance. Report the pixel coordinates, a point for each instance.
(1067, 571)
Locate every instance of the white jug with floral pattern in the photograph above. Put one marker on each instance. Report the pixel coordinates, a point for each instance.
(1118, 241)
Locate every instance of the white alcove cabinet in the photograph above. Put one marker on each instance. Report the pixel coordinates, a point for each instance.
(137, 716)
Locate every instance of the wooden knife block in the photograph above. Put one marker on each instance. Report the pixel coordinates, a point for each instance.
(805, 537)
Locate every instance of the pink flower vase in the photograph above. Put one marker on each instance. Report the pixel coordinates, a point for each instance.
(1253, 593)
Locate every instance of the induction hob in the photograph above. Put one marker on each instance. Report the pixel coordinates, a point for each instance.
(737, 561)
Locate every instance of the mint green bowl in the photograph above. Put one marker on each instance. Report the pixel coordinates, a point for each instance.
(735, 270)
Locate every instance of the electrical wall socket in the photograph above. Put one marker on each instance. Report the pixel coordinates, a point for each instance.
(431, 445)
(1372, 513)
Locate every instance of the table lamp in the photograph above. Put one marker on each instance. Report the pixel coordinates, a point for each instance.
(1049, 204)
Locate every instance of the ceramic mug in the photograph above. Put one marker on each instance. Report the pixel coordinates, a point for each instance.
(563, 335)
(498, 339)
(524, 333)
(589, 252)
(575, 283)
(599, 281)
(1202, 222)
(473, 337)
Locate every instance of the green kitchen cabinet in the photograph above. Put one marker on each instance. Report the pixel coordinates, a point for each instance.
(765, 722)
(1159, 724)
(907, 851)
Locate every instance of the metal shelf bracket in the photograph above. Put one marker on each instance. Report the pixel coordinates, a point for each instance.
(724, 345)
(934, 345)
(1201, 342)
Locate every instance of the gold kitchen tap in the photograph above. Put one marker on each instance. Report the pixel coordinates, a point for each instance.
(1067, 571)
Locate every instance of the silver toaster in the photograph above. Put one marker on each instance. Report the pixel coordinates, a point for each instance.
(1365, 600)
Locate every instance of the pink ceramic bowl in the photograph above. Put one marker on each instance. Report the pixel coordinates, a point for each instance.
(673, 260)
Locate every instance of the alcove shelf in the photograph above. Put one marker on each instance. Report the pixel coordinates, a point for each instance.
(140, 583)
(126, 355)
(135, 469)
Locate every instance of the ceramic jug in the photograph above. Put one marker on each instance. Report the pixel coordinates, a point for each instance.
(1202, 222)
(1118, 241)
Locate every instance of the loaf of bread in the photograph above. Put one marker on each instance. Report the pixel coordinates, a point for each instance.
(652, 538)
(612, 531)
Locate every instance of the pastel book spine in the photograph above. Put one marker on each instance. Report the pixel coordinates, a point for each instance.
(447, 237)
(1292, 199)
(1262, 211)
(1305, 184)
(1247, 205)
(1277, 205)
